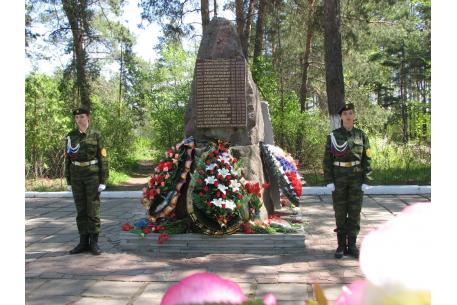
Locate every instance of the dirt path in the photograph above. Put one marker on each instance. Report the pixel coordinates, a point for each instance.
(138, 179)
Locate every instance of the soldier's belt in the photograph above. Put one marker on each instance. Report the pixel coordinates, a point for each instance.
(84, 164)
(346, 164)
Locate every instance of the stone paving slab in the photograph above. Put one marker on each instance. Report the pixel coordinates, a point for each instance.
(137, 277)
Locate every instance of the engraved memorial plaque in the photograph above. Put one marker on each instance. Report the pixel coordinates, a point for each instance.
(220, 94)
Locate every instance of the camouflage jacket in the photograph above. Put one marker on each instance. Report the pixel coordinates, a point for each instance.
(90, 148)
(358, 149)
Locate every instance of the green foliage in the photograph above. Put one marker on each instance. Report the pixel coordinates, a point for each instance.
(167, 100)
(117, 177)
(46, 115)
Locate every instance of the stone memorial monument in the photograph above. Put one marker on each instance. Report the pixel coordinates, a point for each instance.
(224, 102)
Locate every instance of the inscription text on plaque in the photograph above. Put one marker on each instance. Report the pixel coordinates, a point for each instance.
(220, 94)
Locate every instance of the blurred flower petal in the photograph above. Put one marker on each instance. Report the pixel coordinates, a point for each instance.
(204, 287)
(399, 252)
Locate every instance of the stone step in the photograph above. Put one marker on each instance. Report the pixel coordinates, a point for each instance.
(204, 244)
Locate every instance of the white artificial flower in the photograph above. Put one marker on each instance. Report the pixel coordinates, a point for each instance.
(235, 185)
(224, 156)
(234, 172)
(222, 188)
(229, 204)
(210, 180)
(210, 167)
(223, 172)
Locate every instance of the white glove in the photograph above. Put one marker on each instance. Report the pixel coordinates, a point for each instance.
(101, 187)
(331, 186)
(365, 187)
(69, 188)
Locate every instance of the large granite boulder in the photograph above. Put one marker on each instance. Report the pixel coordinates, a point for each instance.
(221, 41)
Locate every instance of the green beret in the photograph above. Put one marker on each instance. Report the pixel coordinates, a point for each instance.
(81, 110)
(348, 106)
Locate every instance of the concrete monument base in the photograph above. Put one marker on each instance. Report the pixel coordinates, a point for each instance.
(193, 243)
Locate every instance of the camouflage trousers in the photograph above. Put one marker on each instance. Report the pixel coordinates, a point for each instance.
(87, 201)
(347, 200)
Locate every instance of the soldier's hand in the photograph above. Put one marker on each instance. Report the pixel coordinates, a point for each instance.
(331, 186)
(69, 188)
(365, 187)
(101, 187)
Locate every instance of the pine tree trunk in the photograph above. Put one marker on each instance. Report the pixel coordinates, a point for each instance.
(76, 14)
(309, 36)
(240, 20)
(205, 14)
(258, 46)
(247, 28)
(333, 60)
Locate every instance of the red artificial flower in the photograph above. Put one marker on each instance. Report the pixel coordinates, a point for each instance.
(228, 177)
(218, 194)
(224, 196)
(146, 230)
(162, 183)
(216, 184)
(238, 205)
(222, 147)
(240, 196)
(162, 238)
(209, 203)
(246, 227)
(206, 188)
(216, 151)
(220, 177)
(211, 173)
(235, 160)
(159, 228)
(223, 205)
(208, 162)
(200, 181)
(266, 185)
(211, 155)
(200, 194)
(170, 152)
(127, 227)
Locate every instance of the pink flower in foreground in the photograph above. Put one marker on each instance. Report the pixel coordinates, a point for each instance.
(399, 252)
(351, 295)
(204, 287)
(269, 299)
(396, 261)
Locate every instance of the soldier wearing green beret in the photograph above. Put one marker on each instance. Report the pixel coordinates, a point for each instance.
(347, 172)
(86, 171)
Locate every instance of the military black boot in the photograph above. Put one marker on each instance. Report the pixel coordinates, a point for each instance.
(341, 245)
(83, 245)
(94, 244)
(352, 247)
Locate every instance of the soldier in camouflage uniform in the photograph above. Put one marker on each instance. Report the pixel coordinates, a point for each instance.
(347, 172)
(86, 171)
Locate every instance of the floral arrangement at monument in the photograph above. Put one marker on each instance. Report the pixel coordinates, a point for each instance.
(284, 168)
(219, 192)
(161, 194)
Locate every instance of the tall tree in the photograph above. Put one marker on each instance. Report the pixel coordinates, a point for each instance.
(79, 16)
(205, 14)
(306, 55)
(259, 30)
(333, 61)
(247, 28)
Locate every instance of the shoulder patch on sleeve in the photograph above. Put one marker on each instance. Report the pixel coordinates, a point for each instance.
(103, 152)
